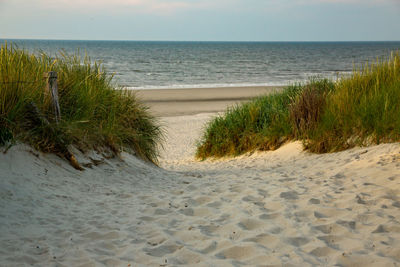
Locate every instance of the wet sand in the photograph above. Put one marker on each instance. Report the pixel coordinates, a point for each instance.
(173, 102)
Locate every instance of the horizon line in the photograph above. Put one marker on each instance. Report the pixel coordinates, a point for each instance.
(200, 41)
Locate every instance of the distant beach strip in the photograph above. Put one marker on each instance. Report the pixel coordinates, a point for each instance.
(173, 102)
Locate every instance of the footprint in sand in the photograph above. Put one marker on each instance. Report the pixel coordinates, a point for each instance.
(322, 251)
(275, 230)
(173, 223)
(237, 189)
(147, 219)
(302, 215)
(203, 199)
(215, 204)
(269, 216)
(348, 224)
(100, 236)
(319, 215)
(237, 253)
(254, 200)
(264, 239)
(330, 240)
(187, 212)
(381, 229)
(155, 241)
(290, 195)
(327, 228)
(250, 224)
(161, 212)
(162, 250)
(263, 193)
(396, 204)
(222, 219)
(297, 241)
(202, 212)
(208, 230)
(210, 248)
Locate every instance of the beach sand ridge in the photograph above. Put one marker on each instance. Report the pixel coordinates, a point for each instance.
(285, 207)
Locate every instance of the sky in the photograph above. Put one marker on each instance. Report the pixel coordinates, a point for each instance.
(201, 20)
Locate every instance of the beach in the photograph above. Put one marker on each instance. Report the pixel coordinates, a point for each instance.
(285, 207)
(174, 102)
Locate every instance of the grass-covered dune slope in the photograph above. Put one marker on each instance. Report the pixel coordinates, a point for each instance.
(327, 116)
(94, 113)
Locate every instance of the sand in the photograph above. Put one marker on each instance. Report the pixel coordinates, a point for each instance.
(173, 102)
(285, 207)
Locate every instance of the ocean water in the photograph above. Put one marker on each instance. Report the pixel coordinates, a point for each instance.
(147, 65)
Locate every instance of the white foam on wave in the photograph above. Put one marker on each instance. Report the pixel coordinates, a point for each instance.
(302, 78)
(191, 86)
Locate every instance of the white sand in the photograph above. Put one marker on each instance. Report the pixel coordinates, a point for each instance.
(285, 207)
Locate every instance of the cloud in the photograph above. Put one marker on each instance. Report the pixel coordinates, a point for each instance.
(361, 2)
(137, 6)
(173, 7)
(292, 5)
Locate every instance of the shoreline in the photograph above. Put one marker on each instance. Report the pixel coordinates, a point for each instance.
(190, 101)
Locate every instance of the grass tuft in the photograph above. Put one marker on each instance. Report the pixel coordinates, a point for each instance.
(94, 112)
(306, 109)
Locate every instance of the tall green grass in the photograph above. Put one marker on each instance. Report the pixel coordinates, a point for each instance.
(94, 112)
(327, 116)
(363, 110)
(263, 123)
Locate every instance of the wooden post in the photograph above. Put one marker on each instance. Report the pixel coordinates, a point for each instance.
(52, 90)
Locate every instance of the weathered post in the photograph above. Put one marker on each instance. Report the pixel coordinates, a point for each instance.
(52, 90)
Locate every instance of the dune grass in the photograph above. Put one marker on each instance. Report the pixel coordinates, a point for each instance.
(363, 110)
(260, 124)
(94, 112)
(327, 116)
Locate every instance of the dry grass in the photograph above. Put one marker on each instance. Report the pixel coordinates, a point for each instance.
(306, 110)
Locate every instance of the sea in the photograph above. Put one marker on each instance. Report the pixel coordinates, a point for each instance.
(163, 65)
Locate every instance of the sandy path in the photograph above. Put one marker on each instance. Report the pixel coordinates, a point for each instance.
(285, 207)
(289, 206)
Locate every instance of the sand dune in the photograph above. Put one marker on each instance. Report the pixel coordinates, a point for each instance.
(285, 207)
